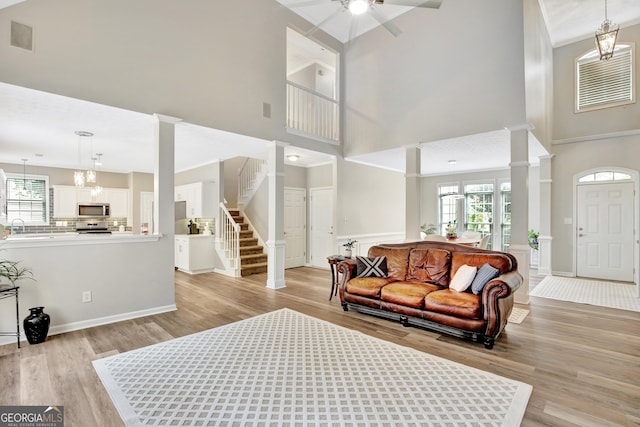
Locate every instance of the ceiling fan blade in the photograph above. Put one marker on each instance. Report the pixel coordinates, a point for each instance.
(432, 4)
(390, 26)
(324, 21)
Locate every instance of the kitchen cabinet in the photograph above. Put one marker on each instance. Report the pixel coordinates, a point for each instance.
(194, 253)
(119, 200)
(200, 197)
(66, 197)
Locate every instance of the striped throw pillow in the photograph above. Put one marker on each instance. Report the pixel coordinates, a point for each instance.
(483, 276)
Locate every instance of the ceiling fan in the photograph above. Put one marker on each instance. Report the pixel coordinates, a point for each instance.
(371, 7)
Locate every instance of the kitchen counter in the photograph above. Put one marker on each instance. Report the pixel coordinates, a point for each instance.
(66, 239)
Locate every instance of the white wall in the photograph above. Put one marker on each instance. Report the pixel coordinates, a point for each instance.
(455, 71)
(538, 73)
(567, 123)
(213, 63)
(126, 279)
(371, 201)
(595, 143)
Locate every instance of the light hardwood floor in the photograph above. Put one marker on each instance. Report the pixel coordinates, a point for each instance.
(582, 361)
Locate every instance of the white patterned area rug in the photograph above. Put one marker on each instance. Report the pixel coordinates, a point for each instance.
(594, 292)
(285, 368)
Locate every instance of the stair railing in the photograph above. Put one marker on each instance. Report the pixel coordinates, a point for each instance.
(230, 237)
(248, 176)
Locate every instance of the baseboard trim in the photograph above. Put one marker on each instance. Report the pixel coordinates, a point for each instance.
(99, 321)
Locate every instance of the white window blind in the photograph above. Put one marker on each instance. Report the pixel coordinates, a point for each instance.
(28, 199)
(605, 83)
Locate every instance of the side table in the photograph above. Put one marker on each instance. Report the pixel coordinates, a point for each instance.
(333, 261)
(8, 292)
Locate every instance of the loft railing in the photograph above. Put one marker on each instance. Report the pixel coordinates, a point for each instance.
(248, 177)
(313, 113)
(230, 237)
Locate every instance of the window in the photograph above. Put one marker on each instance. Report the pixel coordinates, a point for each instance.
(505, 224)
(605, 176)
(28, 199)
(479, 209)
(602, 84)
(448, 205)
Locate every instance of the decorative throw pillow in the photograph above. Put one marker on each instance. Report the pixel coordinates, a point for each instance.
(463, 278)
(371, 267)
(484, 274)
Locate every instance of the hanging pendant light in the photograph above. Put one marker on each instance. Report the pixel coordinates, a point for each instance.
(79, 176)
(23, 191)
(606, 37)
(97, 189)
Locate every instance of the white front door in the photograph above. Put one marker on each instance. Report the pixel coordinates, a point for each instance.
(605, 231)
(295, 227)
(321, 218)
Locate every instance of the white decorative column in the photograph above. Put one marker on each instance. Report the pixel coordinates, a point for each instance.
(519, 246)
(412, 193)
(163, 177)
(276, 243)
(544, 240)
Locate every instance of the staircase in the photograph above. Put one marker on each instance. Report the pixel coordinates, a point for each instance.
(252, 258)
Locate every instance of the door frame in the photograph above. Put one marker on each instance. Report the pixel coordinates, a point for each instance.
(305, 219)
(635, 177)
(310, 242)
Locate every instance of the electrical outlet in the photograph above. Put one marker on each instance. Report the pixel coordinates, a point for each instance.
(86, 296)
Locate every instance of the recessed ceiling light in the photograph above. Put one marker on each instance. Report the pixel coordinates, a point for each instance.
(452, 162)
(83, 133)
(293, 157)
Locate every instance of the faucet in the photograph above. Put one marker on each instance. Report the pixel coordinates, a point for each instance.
(14, 220)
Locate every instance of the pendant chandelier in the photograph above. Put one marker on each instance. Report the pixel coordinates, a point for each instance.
(79, 176)
(23, 191)
(606, 36)
(97, 189)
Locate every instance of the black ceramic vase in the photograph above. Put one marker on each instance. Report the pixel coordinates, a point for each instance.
(36, 325)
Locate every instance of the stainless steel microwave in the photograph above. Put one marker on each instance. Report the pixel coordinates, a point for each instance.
(94, 210)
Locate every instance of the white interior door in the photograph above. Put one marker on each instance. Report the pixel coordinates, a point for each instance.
(321, 230)
(605, 231)
(295, 227)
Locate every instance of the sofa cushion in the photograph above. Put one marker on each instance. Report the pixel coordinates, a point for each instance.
(366, 286)
(397, 260)
(407, 293)
(463, 278)
(429, 265)
(495, 259)
(371, 267)
(484, 274)
(447, 301)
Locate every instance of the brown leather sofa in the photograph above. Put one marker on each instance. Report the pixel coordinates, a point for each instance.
(416, 289)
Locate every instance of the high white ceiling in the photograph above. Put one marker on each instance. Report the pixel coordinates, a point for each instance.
(125, 137)
(567, 21)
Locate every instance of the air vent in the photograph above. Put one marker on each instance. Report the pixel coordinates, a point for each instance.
(21, 36)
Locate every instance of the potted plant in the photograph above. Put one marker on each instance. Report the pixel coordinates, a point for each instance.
(533, 239)
(451, 230)
(13, 272)
(36, 324)
(349, 244)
